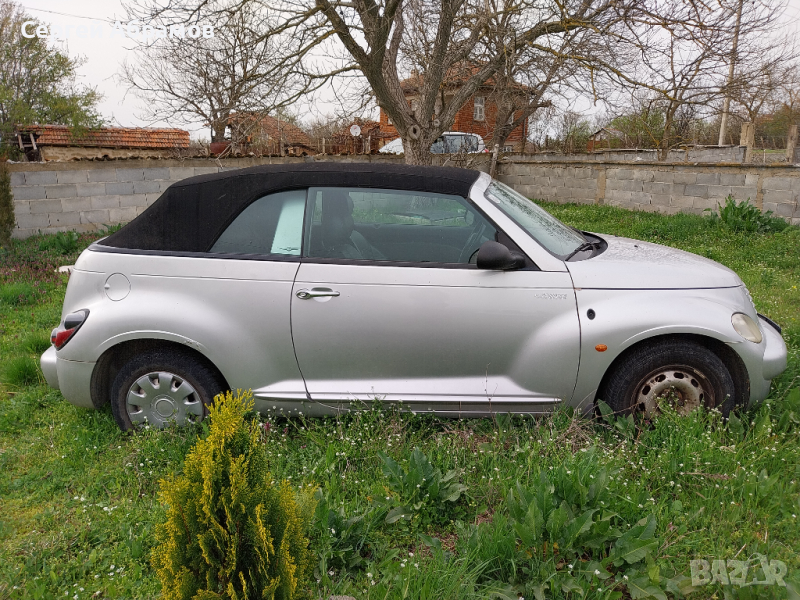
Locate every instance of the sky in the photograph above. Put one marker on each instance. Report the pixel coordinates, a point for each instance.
(105, 55)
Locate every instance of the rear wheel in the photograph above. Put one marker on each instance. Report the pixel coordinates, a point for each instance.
(162, 387)
(684, 375)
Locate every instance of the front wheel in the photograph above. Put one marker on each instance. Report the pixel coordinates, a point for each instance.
(685, 375)
(162, 387)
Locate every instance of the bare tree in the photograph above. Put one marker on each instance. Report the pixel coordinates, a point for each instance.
(523, 83)
(540, 127)
(448, 36)
(766, 87)
(557, 67)
(517, 88)
(681, 47)
(789, 90)
(770, 100)
(572, 131)
(683, 66)
(326, 126)
(686, 65)
(251, 65)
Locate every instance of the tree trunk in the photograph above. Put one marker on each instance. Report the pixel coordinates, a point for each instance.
(218, 132)
(417, 152)
(500, 136)
(663, 150)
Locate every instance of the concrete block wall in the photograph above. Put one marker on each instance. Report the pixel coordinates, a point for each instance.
(660, 187)
(711, 154)
(83, 198)
(86, 196)
(554, 182)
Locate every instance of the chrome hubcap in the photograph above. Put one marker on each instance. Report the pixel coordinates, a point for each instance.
(159, 398)
(683, 388)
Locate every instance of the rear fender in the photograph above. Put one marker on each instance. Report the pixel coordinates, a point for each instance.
(233, 312)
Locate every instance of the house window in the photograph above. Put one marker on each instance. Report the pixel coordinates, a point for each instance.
(508, 148)
(511, 117)
(479, 110)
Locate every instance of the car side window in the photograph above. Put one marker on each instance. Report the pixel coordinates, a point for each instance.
(273, 224)
(395, 226)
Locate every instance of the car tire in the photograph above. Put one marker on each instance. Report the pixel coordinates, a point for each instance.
(685, 374)
(174, 387)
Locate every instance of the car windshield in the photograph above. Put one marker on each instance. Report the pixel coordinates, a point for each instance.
(453, 144)
(459, 143)
(541, 225)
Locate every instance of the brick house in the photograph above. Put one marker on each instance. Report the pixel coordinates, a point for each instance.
(478, 115)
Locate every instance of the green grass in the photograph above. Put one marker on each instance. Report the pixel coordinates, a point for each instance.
(13, 294)
(78, 498)
(20, 370)
(35, 342)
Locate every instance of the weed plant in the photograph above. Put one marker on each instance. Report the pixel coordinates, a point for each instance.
(62, 243)
(35, 343)
(743, 216)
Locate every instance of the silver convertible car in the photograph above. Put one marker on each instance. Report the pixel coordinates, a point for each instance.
(323, 286)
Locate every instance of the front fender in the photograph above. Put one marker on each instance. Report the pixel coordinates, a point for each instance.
(624, 318)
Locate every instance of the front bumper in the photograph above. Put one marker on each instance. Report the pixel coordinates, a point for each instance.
(773, 363)
(775, 352)
(72, 377)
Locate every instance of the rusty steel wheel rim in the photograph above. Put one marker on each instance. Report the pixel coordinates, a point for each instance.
(685, 389)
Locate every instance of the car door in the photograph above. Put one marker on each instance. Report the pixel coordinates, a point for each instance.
(388, 304)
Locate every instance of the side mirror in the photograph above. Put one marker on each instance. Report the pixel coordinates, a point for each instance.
(496, 257)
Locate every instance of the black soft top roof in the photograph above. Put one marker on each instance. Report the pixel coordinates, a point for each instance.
(191, 214)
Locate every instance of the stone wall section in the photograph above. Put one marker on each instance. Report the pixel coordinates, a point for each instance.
(86, 196)
(659, 187)
(708, 154)
(86, 199)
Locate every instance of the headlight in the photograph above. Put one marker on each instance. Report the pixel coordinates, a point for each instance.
(746, 327)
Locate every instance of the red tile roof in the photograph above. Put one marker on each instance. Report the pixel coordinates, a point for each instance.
(266, 127)
(108, 137)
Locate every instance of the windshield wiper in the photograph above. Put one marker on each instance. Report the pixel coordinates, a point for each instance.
(583, 247)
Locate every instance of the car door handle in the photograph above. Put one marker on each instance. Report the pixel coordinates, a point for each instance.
(316, 293)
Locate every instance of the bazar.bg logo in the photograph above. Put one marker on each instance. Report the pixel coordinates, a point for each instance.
(133, 29)
(756, 571)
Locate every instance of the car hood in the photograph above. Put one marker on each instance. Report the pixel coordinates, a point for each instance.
(631, 264)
